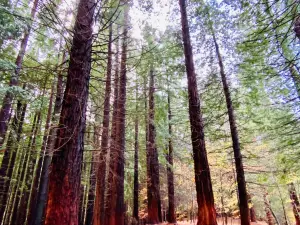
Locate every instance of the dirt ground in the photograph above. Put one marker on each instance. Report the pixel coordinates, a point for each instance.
(230, 222)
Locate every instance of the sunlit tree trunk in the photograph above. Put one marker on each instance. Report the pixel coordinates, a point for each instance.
(205, 198)
(65, 172)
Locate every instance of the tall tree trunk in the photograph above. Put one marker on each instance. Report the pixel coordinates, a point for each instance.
(10, 154)
(28, 173)
(135, 213)
(115, 210)
(295, 202)
(113, 137)
(13, 189)
(39, 209)
(153, 188)
(36, 180)
(65, 175)
(14, 80)
(22, 174)
(205, 198)
(101, 170)
(241, 182)
(171, 211)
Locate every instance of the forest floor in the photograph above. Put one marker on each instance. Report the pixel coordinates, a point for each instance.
(231, 221)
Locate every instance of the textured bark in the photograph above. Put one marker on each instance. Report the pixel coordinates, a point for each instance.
(113, 134)
(153, 187)
(295, 202)
(39, 209)
(101, 170)
(135, 213)
(8, 161)
(241, 182)
(36, 180)
(205, 198)
(268, 211)
(171, 197)
(65, 175)
(14, 80)
(115, 210)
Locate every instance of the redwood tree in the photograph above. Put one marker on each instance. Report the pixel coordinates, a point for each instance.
(64, 183)
(153, 188)
(170, 174)
(240, 174)
(115, 211)
(39, 209)
(101, 170)
(136, 165)
(205, 198)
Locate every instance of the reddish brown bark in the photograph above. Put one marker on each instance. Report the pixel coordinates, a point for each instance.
(113, 135)
(36, 180)
(171, 197)
(295, 202)
(205, 198)
(268, 211)
(14, 80)
(115, 210)
(101, 170)
(153, 188)
(64, 182)
(241, 182)
(135, 213)
(39, 210)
